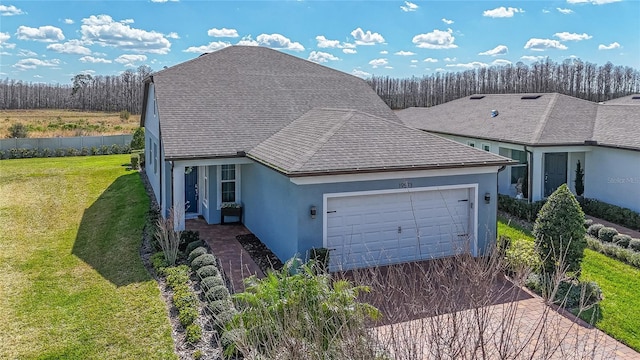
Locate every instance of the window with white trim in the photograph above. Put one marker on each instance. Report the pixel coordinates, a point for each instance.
(228, 184)
(471, 143)
(518, 171)
(486, 147)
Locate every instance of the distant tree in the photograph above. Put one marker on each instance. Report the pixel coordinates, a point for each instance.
(18, 130)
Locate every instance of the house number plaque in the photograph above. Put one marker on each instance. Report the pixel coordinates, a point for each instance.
(405, 185)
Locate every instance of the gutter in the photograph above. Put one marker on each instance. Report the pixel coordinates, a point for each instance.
(529, 173)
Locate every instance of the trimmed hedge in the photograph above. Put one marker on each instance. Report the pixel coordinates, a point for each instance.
(211, 282)
(22, 153)
(207, 271)
(594, 229)
(217, 293)
(634, 244)
(615, 214)
(606, 234)
(628, 256)
(520, 208)
(203, 260)
(194, 245)
(622, 240)
(196, 252)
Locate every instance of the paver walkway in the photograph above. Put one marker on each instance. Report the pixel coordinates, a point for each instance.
(621, 229)
(236, 262)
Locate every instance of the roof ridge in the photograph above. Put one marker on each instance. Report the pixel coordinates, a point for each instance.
(545, 116)
(321, 140)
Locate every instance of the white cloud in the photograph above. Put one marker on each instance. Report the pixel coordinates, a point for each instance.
(94, 60)
(498, 50)
(3, 41)
(404, 53)
(594, 2)
(448, 59)
(277, 41)
(104, 31)
(414, 61)
(349, 51)
(10, 10)
(613, 45)
(70, 47)
(413, 66)
(224, 32)
(532, 58)
(88, 71)
(129, 60)
(409, 6)
(388, 67)
(544, 44)
(173, 35)
(68, 21)
(545, 11)
(502, 12)
(564, 11)
(37, 76)
(321, 57)
(247, 41)
(31, 63)
(26, 53)
(440, 70)
(447, 21)
(566, 36)
(127, 21)
(323, 42)
(163, 1)
(471, 65)
(430, 60)
(211, 47)
(46, 33)
(384, 52)
(360, 73)
(378, 62)
(366, 38)
(437, 39)
(500, 62)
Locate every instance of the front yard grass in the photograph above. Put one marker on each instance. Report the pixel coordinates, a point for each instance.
(73, 283)
(620, 284)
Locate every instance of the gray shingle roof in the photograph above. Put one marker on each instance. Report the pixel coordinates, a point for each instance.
(625, 100)
(233, 99)
(342, 140)
(552, 119)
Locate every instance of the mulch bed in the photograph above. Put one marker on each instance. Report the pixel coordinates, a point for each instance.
(260, 253)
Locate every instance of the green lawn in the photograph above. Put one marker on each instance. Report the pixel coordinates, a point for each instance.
(73, 285)
(620, 285)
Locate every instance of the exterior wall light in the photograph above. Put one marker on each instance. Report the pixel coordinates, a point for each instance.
(487, 198)
(313, 211)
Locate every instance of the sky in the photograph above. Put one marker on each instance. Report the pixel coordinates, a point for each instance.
(52, 41)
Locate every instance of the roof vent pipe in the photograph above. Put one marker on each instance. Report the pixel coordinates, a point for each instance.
(494, 113)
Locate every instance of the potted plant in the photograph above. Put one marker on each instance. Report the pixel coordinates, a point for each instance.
(230, 209)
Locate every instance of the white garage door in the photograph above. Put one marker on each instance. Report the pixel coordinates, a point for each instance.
(369, 229)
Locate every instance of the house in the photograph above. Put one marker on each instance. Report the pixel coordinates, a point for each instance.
(548, 134)
(315, 158)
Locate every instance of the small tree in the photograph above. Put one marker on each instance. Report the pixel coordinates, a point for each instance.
(18, 130)
(137, 142)
(124, 115)
(559, 231)
(579, 179)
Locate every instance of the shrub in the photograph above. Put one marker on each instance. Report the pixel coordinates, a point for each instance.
(634, 244)
(124, 115)
(203, 260)
(223, 318)
(183, 298)
(587, 223)
(187, 315)
(193, 245)
(134, 161)
(71, 152)
(616, 214)
(578, 295)
(137, 141)
(193, 333)
(218, 306)
(177, 275)
(559, 231)
(519, 208)
(628, 256)
(167, 237)
(198, 354)
(622, 240)
(217, 293)
(196, 252)
(579, 182)
(187, 237)
(18, 130)
(105, 150)
(158, 262)
(46, 152)
(320, 256)
(207, 271)
(522, 255)
(211, 282)
(606, 234)
(85, 151)
(95, 151)
(594, 229)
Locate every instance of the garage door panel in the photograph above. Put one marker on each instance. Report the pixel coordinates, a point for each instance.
(397, 227)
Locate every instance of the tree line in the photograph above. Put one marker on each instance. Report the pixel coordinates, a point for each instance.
(85, 92)
(573, 77)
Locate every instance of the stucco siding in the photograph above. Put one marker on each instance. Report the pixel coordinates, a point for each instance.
(613, 176)
(310, 231)
(270, 209)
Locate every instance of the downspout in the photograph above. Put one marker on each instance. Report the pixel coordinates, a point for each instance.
(529, 174)
(500, 169)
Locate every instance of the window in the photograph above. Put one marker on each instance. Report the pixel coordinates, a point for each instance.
(155, 158)
(520, 170)
(486, 147)
(471, 143)
(205, 188)
(228, 184)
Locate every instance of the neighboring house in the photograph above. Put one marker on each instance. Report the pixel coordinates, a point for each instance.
(315, 158)
(548, 134)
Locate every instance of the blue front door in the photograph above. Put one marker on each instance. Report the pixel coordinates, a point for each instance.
(191, 190)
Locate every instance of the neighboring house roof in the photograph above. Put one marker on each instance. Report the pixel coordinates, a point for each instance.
(327, 141)
(625, 100)
(531, 119)
(233, 99)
